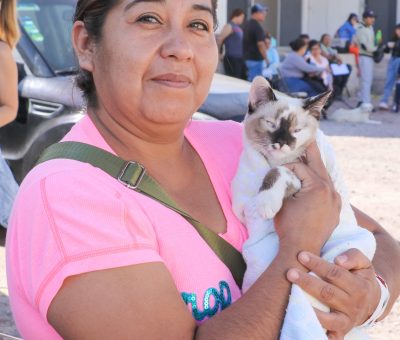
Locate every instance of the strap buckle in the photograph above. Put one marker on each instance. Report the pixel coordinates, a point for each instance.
(127, 182)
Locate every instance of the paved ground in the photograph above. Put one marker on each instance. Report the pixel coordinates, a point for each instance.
(369, 156)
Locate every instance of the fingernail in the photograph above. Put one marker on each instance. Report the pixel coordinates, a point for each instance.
(304, 257)
(293, 275)
(341, 259)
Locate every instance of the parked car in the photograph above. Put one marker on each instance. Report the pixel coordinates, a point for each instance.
(50, 103)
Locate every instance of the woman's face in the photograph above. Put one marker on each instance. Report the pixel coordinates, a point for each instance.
(327, 40)
(397, 32)
(240, 19)
(316, 50)
(155, 61)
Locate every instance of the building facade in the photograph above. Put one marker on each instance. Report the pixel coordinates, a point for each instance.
(288, 18)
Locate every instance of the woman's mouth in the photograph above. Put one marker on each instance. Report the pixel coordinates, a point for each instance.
(178, 81)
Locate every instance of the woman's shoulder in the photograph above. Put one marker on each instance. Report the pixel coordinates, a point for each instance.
(5, 52)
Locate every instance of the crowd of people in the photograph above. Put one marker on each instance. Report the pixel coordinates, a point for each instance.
(313, 66)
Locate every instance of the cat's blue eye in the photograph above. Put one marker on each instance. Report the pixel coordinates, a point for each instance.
(271, 124)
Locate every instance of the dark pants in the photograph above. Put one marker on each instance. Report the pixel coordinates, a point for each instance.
(235, 67)
(339, 83)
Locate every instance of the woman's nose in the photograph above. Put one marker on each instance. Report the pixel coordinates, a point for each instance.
(177, 45)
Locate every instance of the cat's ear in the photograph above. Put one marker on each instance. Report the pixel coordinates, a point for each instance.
(314, 105)
(260, 93)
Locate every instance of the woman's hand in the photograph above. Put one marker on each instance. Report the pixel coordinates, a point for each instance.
(348, 287)
(314, 210)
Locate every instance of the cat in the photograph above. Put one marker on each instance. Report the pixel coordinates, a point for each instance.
(358, 115)
(276, 130)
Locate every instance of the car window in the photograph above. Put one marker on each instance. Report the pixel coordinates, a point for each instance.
(48, 25)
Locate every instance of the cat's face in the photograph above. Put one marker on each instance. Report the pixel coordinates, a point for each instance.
(281, 128)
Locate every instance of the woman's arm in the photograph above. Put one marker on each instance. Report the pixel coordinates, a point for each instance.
(305, 67)
(226, 31)
(386, 258)
(8, 86)
(142, 302)
(349, 286)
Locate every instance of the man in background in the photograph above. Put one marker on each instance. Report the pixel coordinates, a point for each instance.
(254, 48)
(365, 39)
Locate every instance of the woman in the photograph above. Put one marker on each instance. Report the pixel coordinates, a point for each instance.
(316, 58)
(231, 37)
(392, 69)
(297, 73)
(119, 264)
(348, 30)
(337, 82)
(327, 51)
(9, 35)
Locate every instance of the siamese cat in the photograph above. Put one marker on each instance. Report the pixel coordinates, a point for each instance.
(277, 130)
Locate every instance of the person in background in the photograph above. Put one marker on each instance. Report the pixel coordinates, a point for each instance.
(348, 30)
(297, 74)
(392, 69)
(9, 35)
(231, 37)
(306, 38)
(339, 80)
(316, 58)
(327, 51)
(365, 39)
(270, 69)
(254, 48)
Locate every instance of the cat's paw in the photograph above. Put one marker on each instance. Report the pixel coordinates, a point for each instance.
(268, 204)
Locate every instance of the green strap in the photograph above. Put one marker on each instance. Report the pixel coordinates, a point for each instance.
(134, 176)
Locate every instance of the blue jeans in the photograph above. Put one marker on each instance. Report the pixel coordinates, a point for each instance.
(254, 69)
(391, 76)
(299, 85)
(8, 191)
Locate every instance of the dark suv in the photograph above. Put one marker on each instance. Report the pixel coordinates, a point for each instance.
(50, 103)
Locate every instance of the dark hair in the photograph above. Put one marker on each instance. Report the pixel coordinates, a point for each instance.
(395, 37)
(304, 36)
(313, 43)
(93, 13)
(237, 12)
(297, 44)
(352, 16)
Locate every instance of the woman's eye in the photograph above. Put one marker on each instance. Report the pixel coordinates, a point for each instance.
(201, 26)
(149, 19)
(297, 130)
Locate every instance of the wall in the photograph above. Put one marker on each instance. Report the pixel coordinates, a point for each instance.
(222, 14)
(290, 20)
(386, 12)
(326, 16)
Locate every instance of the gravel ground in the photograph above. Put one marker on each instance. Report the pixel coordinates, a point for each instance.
(368, 155)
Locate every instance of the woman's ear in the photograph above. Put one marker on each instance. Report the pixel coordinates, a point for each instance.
(83, 46)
